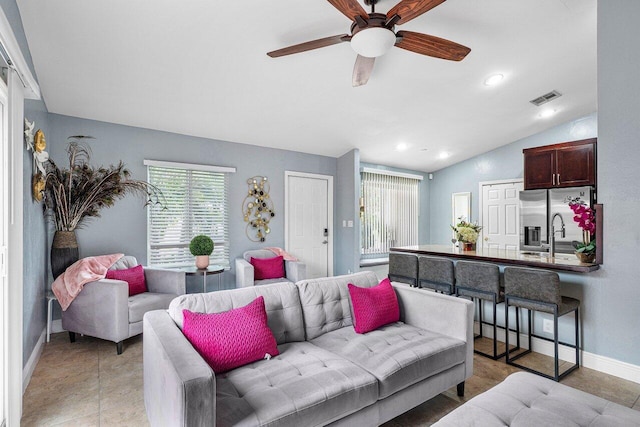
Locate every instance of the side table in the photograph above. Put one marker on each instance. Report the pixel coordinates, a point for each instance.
(50, 299)
(204, 272)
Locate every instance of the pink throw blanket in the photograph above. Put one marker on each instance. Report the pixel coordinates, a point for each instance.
(69, 284)
(281, 252)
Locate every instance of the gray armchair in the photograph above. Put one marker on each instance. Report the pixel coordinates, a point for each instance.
(104, 309)
(294, 270)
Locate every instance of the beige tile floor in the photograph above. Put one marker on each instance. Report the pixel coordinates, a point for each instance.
(87, 384)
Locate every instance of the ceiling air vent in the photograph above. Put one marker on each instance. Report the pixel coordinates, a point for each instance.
(546, 98)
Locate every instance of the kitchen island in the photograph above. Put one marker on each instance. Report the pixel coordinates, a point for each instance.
(561, 262)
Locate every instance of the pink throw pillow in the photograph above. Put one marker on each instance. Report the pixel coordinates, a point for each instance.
(268, 268)
(134, 276)
(233, 338)
(373, 307)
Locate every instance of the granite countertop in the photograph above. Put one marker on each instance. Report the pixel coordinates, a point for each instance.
(561, 262)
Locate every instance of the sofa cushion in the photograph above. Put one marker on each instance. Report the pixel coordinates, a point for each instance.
(525, 400)
(126, 261)
(233, 338)
(373, 307)
(271, 281)
(281, 301)
(147, 301)
(268, 268)
(134, 276)
(304, 385)
(258, 253)
(325, 301)
(398, 355)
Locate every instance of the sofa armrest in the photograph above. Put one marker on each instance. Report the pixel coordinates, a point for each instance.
(179, 386)
(295, 270)
(100, 310)
(165, 281)
(244, 273)
(435, 312)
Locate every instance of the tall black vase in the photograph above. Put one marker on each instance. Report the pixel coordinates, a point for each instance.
(64, 251)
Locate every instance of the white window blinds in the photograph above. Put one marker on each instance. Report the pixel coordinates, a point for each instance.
(195, 203)
(391, 210)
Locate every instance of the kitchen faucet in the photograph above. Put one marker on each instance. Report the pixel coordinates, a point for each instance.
(552, 246)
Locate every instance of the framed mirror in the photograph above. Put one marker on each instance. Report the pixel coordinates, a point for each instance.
(460, 206)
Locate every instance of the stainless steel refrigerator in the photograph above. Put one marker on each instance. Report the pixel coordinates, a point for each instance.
(537, 210)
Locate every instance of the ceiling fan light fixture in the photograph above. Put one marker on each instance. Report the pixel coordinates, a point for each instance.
(373, 42)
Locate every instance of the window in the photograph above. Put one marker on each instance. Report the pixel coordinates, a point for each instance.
(195, 203)
(391, 211)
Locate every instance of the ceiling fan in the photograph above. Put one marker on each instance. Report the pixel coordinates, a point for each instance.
(372, 35)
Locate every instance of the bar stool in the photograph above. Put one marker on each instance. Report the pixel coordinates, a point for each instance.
(436, 273)
(480, 281)
(403, 268)
(539, 290)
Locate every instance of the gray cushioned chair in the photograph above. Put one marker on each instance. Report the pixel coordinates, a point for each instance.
(403, 268)
(104, 309)
(294, 270)
(539, 290)
(436, 273)
(481, 281)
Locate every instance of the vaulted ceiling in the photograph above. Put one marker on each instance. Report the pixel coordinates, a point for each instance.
(200, 68)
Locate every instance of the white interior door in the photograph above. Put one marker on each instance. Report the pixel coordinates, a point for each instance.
(308, 218)
(500, 212)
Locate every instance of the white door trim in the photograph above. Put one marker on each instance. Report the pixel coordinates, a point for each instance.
(329, 180)
(480, 201)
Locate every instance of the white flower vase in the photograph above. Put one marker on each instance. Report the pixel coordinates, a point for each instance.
(202, 261)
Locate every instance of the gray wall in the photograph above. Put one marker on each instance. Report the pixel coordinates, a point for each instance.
(505, 162)
(123, 227)
(347, 242)
(36, 257)
(614, 326)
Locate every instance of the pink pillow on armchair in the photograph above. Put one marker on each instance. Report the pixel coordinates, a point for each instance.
(134, 276)
(373, 307)
(268, 268)
(233, 338)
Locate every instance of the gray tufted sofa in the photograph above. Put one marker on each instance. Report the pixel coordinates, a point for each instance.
(524, 399)
(325, 373)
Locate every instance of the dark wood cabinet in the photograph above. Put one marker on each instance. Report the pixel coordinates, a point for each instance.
(568, 164)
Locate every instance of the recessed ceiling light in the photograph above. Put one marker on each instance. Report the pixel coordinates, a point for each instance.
(493, 80)
(402, 146)
(547, 113)
(444, 155)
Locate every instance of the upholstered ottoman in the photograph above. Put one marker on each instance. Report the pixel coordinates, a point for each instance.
(525, 399)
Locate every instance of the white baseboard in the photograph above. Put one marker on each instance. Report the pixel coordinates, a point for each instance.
(28, 369)
(604, 364)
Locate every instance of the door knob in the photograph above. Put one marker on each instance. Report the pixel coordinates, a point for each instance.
(325, 242)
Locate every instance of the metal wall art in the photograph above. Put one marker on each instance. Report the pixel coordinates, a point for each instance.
(257, 209)
(36, 143)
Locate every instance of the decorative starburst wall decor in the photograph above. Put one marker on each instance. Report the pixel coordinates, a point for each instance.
(257, 209)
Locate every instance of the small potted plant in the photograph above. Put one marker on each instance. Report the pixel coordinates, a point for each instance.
(201, 247)
(586, 219)
(466, 233)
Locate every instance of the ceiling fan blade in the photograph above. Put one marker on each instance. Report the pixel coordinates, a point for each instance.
(409, 9)
(313, 44)
(350, 8)
(431, 46)
(362, 70)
